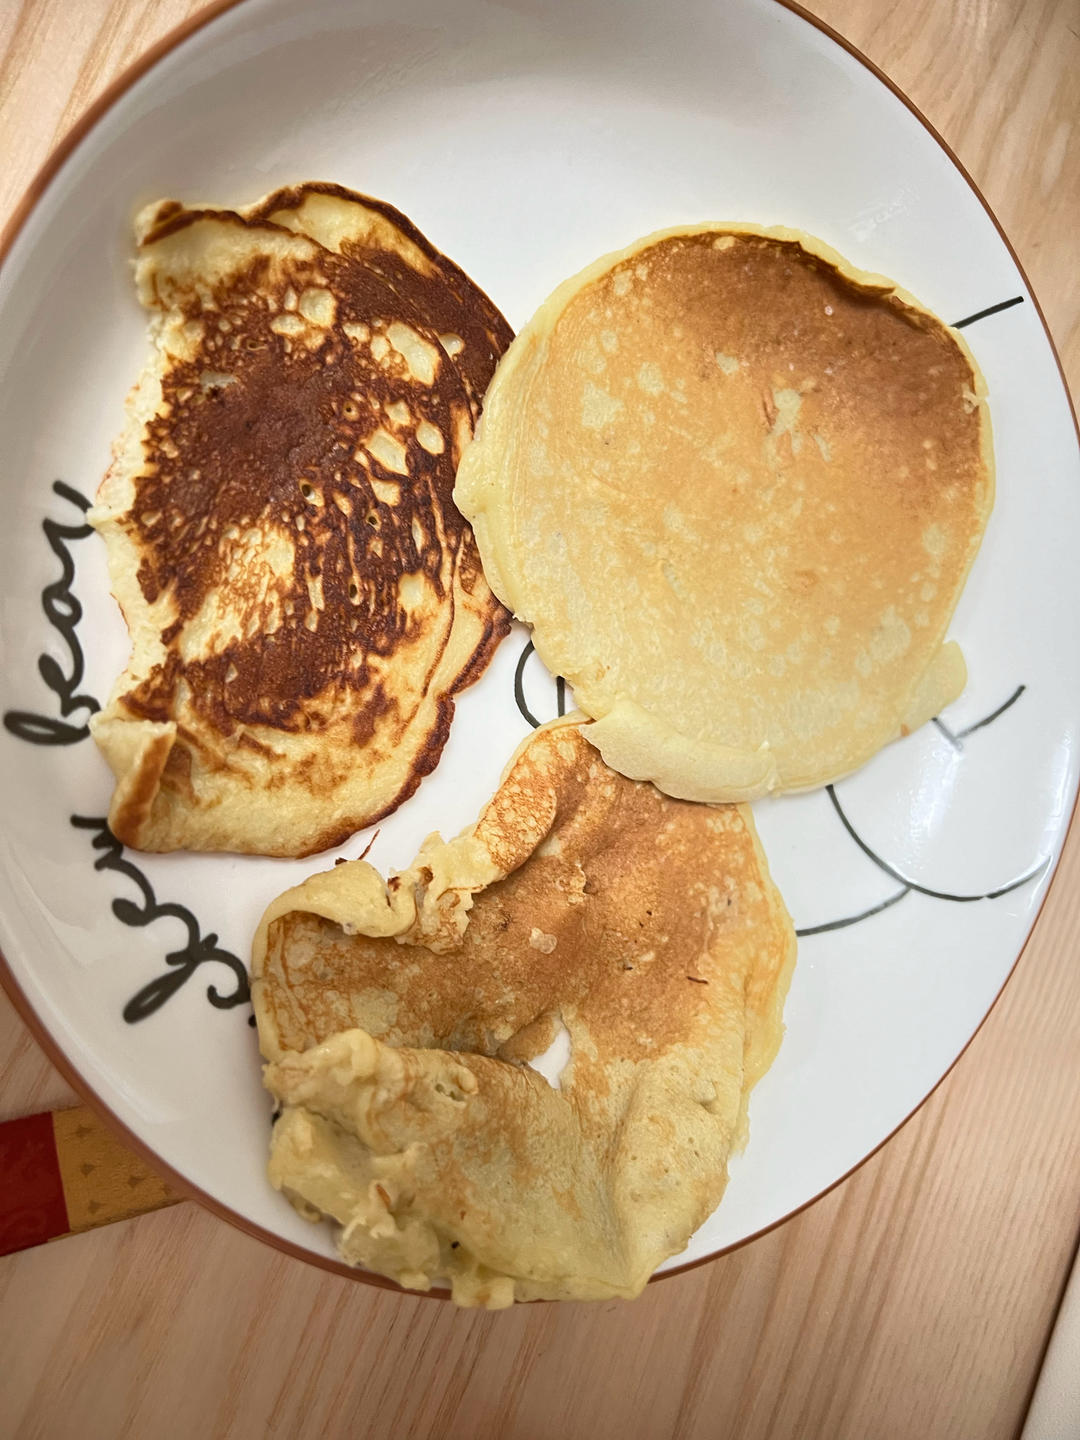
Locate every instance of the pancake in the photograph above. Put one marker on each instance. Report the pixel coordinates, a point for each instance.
(736, 487)
(470, 328)
(398, 1019)
(303, 597)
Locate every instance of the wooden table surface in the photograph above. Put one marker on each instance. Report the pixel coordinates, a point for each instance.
(914, 1300)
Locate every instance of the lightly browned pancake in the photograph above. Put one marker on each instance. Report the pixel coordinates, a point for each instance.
(736, 487)
(303, 597)
(398, 1019)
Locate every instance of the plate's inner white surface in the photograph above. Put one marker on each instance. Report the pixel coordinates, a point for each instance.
(527, 140)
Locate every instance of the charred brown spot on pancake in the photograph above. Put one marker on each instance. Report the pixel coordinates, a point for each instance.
(365, 721)
(271, 492)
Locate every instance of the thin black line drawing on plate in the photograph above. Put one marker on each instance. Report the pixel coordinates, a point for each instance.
(990, 310)
(956, 740)
(907, 886)
(199, 949)
(519, 688)
(885, 904)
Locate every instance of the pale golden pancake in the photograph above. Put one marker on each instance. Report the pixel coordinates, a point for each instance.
(398, 1019)
(736, 487)
(303, 597)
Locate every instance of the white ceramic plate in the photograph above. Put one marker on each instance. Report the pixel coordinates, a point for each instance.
(526, 138)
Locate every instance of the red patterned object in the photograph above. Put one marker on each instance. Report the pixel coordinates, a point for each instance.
(32, 1206)
(65, 1172)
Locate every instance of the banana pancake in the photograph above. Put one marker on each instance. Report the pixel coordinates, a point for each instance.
(470, 329)
(304, 599)
(398, 1019)
(736, 487)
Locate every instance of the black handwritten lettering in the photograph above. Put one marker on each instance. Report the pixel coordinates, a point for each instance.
(145, 910)
(63, 612)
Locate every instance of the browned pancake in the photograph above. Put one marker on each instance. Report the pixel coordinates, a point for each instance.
(469, 326)
(397, 1017)
(304, 597)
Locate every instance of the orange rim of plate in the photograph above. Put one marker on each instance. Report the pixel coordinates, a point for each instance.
(34, 191)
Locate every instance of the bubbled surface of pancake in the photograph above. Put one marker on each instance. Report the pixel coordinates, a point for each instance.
(736, 488)
(303, 596)
(397, 1019)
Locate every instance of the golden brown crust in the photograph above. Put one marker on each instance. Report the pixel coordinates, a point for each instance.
(134, 798)
(305, 599)
(647, 926)
(381, 237)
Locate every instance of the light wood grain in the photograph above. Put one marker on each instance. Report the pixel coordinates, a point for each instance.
(914, 1300)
